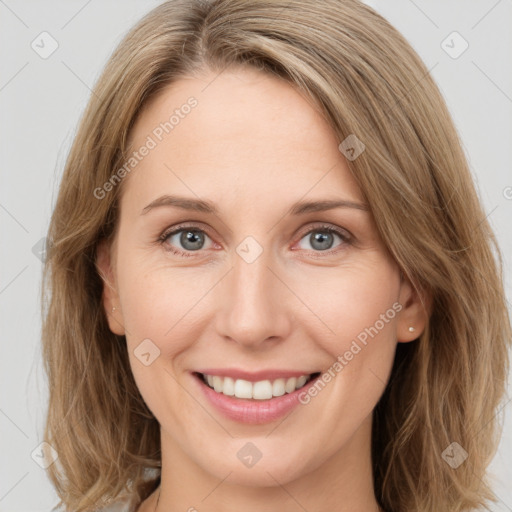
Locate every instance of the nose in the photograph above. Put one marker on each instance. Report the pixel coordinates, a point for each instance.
(254, 304)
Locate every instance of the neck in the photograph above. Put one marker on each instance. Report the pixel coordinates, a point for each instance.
(342, 483)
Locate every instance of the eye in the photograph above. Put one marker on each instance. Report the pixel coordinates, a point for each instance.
(190, 238)
(321, 238)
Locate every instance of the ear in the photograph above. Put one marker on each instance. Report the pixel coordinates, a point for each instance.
(110, 297)
(415, 312)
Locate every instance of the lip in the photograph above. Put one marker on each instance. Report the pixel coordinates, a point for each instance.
(249, 411)
(236, 373)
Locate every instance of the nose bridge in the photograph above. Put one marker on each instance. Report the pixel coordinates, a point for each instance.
(252, 305)
(251, 285)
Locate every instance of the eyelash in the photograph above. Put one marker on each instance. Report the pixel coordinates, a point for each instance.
(324, 228)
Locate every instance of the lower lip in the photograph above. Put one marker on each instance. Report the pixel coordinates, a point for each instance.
(253, 411)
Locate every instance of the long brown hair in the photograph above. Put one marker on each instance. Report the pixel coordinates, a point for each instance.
(367, 81)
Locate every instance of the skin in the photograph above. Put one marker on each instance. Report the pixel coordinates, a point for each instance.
(254, 146)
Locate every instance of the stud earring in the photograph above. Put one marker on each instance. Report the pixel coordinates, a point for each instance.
(113, 309)
(411, 329)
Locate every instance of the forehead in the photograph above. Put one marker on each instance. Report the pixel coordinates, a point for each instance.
(240, 133)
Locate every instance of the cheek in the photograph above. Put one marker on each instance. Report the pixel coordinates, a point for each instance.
(169, 307)
(357, 302)
(157, 323)
(162, 303)
(155, 306)
(362, 313)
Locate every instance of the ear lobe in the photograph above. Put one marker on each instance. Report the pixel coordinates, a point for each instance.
(110, 296)
(416, 307)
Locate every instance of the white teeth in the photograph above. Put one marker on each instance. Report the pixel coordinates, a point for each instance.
(217, 384)
(278, 387)
(290, 384)
(301, 381)
(243, 389)
(229, 386)
(261, 390)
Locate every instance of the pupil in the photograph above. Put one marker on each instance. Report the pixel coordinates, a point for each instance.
(191, 237)
(319, 238)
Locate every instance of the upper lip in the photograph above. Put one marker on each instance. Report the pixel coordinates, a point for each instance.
(236, 373)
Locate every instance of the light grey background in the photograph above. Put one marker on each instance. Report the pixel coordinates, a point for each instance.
(41, 101)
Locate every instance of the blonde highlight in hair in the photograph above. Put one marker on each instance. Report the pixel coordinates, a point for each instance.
(366, 80)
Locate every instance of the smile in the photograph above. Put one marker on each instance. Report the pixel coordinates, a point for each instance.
(253, 398)
(260, 390)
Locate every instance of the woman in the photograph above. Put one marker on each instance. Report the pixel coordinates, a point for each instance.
(272, 284)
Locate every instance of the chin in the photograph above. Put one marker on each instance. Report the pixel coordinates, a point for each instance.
(271, 469)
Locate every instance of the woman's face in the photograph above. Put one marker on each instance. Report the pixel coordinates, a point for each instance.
(255, 292)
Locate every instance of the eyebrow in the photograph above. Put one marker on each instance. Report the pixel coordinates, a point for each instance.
(300, 208)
